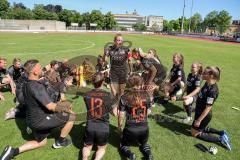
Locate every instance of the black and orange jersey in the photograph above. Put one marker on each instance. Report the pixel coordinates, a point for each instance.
(98, 103)
(135, 115)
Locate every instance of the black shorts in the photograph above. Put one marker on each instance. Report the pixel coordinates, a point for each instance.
(51, 121)
(118, 77)
(97, 133)
(135, 134)
(204, 122)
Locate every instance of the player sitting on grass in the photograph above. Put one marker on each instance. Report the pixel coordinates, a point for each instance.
(103, 67)
(193, 88)
(5, 78)
(203, 112)
(16, 70)
(98, 105)
(53, 77)
(135, 102)
(177, 78)
(42, 115)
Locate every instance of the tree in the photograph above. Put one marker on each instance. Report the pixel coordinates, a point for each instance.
(58, 8)
(217, 20)
(223, 21)
(175, 25)
(19, 5)
(211, 19)
(139, 27)
(97, 17)
(186, 23)
(87, 19)
(19, 13)
(76, 18)
(196, 21)
(109, 21)
(4, 7)
(41, 13)
(65, 16)
(53, 8)
(49, 8)
(166, 26)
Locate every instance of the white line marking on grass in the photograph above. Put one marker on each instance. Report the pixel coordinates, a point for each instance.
(7, 43)
(61, 51)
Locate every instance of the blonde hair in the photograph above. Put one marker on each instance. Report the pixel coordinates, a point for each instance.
(16, 60)
(181, 58)
(199, 66)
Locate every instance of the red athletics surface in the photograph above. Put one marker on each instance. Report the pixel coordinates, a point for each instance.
(201, 39)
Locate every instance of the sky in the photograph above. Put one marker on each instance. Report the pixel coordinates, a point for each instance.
(169, 9)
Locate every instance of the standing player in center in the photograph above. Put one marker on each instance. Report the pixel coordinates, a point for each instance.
(119, 57)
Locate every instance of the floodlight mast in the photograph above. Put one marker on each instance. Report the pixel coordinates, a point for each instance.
(182, 29)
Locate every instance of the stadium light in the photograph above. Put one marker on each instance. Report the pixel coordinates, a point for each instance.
(182, 29)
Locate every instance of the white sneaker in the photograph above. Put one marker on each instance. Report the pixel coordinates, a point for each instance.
(10, 114)
(187, 120)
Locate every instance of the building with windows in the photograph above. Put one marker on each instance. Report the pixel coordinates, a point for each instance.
(153, 23)
(128, 20)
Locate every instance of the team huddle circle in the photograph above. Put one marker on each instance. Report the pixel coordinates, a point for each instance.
(123, 83)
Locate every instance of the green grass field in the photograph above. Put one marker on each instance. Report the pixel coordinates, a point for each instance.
(169, 137)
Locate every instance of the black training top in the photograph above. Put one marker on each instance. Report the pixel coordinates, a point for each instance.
(103, 67)
(149, 62)
(135, 115)
(176, 72)
(118, 58)
(64, 71)
(3, 73)
(15, 73)
(36, 98)
(193, 81)
(98, 103)
(207, 96)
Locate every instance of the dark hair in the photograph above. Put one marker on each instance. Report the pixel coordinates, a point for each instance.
(98, 79)
(135, 80)
(214, 72)
(29, 65)
(116, 36)
(133, 95)
(53, 63)
(100, 58)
